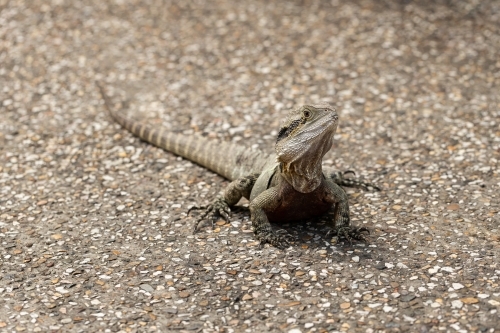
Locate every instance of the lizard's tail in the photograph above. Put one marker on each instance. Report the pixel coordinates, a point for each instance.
(227, 159)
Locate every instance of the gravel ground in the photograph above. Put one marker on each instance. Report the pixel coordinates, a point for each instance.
(93, 226)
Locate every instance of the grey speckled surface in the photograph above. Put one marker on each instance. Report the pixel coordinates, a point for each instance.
(93, 231)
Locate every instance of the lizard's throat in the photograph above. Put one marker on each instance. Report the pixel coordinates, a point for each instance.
(304, 171)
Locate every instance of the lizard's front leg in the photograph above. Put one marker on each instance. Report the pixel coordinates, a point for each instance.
(267, 200)
(237, 189)
(342, 220)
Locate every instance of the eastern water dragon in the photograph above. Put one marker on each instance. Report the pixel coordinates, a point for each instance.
(289, 185)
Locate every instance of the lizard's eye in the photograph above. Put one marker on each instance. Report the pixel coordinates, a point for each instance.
(307, 114)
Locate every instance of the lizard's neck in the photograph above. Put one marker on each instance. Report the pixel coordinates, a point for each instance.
(304, 175)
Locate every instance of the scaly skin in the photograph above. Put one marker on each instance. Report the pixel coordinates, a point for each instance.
(287, 187)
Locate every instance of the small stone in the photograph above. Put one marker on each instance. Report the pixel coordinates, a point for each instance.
(246, 297)
(408, 298)
(66, 320)
(285, 276)
(61, 290)
(294, 330)
(308, 325)
(345, 327)
(146, 287)
(434, 270)
(355, 259)
(469, 300)
(374, 305)
(184, 294)
(56, 236)
(456, 304)
(275, 270)
(453, 206)
(345, 305)
(457, 286)
(289, 304)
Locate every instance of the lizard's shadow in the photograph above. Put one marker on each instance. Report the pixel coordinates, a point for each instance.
(309, 233)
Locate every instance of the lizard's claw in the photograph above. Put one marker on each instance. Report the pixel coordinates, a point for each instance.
(218, 208)
(340, 178)
(349, 233)
(348, 172)
(275, 240)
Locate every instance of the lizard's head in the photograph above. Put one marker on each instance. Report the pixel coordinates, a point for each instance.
(303, 140)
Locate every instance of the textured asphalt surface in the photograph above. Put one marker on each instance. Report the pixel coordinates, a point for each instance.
(93, 226)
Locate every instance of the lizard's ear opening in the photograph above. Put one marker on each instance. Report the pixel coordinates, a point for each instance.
(281, 134)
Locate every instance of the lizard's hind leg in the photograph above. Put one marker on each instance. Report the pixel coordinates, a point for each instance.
(340, 178)
(221, 206)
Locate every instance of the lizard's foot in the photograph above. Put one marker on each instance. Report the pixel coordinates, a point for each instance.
(218, 208)
(349, 233)
(274, 239)
(341, 179)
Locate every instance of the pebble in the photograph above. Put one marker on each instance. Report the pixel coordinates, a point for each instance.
(147, 287)
(457, 304)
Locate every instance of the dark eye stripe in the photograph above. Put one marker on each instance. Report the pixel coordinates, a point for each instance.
(285, 131)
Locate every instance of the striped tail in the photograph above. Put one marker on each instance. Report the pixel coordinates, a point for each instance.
(227, 159)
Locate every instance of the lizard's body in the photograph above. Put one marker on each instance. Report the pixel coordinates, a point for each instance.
(288, 186)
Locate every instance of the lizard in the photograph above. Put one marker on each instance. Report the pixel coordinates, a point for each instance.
(289, 185)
